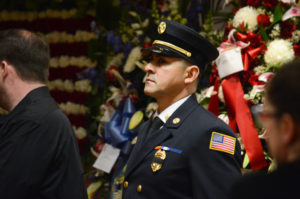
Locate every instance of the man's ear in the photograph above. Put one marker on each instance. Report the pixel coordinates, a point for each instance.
(191, 74)
(3, 69)
(287, 128)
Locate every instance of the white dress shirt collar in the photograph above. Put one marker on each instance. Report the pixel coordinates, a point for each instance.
(164, 116)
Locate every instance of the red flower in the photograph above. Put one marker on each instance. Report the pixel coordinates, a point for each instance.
(228, 28)
(110, 76)
(214, 75)
(253, 80)
(255, 40)
(287, 29)
(270, 3)
(148, 44)
(297, 50)
(264, 20)
(254, 3)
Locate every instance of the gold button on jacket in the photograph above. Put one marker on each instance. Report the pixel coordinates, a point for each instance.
(125, 184)
(139, 188)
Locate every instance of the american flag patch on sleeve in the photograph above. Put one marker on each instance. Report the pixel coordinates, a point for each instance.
(221, 142)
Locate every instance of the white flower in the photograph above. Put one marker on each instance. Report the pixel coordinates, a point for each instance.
(275, 32)
(80, 132)
(54, 62)
(64, 61)
(279, 52)
(107, 112)
(151, 108)
(259, 69)
(145, 23)
(117, 60)
(265, 77)
(248, 15)
(134, 14)
(83, 86)
(224, 117)
(261, 10)
(79, 36)
(74, 109)
(68, 86)
(288, 1)
(173, 4)
(221, 95)
(135, 26)
(58, 84)
(255, 90)
(206, 93)
(133, 57)
(296, 36)
(139, 32)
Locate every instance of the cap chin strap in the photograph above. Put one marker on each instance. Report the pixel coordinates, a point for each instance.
(181, 50)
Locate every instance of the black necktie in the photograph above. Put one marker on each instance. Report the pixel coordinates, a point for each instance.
(155, 125)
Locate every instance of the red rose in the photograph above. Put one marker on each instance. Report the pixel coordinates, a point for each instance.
(254, 3)
(287, 29)
(270, 3)
(264, 20)
(297, 50)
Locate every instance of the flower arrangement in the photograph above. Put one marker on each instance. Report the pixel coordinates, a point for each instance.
(259, 37)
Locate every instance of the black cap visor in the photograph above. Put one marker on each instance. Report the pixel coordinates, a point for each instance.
(163, 50)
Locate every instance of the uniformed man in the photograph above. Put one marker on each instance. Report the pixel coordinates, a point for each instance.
(184, 151)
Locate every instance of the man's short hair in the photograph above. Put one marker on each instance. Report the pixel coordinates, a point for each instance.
(27, 53)
(283, 90)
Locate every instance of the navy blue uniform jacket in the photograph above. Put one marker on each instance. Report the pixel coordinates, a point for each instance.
(198, 172)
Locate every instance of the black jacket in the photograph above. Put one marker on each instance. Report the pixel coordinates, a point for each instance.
(281, 183)
(39, 155)
(196, 172)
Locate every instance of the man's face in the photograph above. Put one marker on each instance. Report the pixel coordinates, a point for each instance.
(273, 127)
(165, 76)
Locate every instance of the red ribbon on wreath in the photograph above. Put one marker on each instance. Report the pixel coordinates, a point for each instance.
(237, 107)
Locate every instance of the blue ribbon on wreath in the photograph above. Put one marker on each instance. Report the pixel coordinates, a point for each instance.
(116, 131)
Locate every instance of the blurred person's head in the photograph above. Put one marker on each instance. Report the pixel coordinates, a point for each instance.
(282, 113)
(24, 62)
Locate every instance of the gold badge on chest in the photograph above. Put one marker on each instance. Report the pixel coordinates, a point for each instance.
(160, 154)
(155, 166)
(159, 157)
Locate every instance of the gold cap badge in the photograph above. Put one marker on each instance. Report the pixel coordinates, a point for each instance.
(176, 120)
(161, 27)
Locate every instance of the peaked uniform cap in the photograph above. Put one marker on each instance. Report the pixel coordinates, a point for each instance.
(174, 39)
